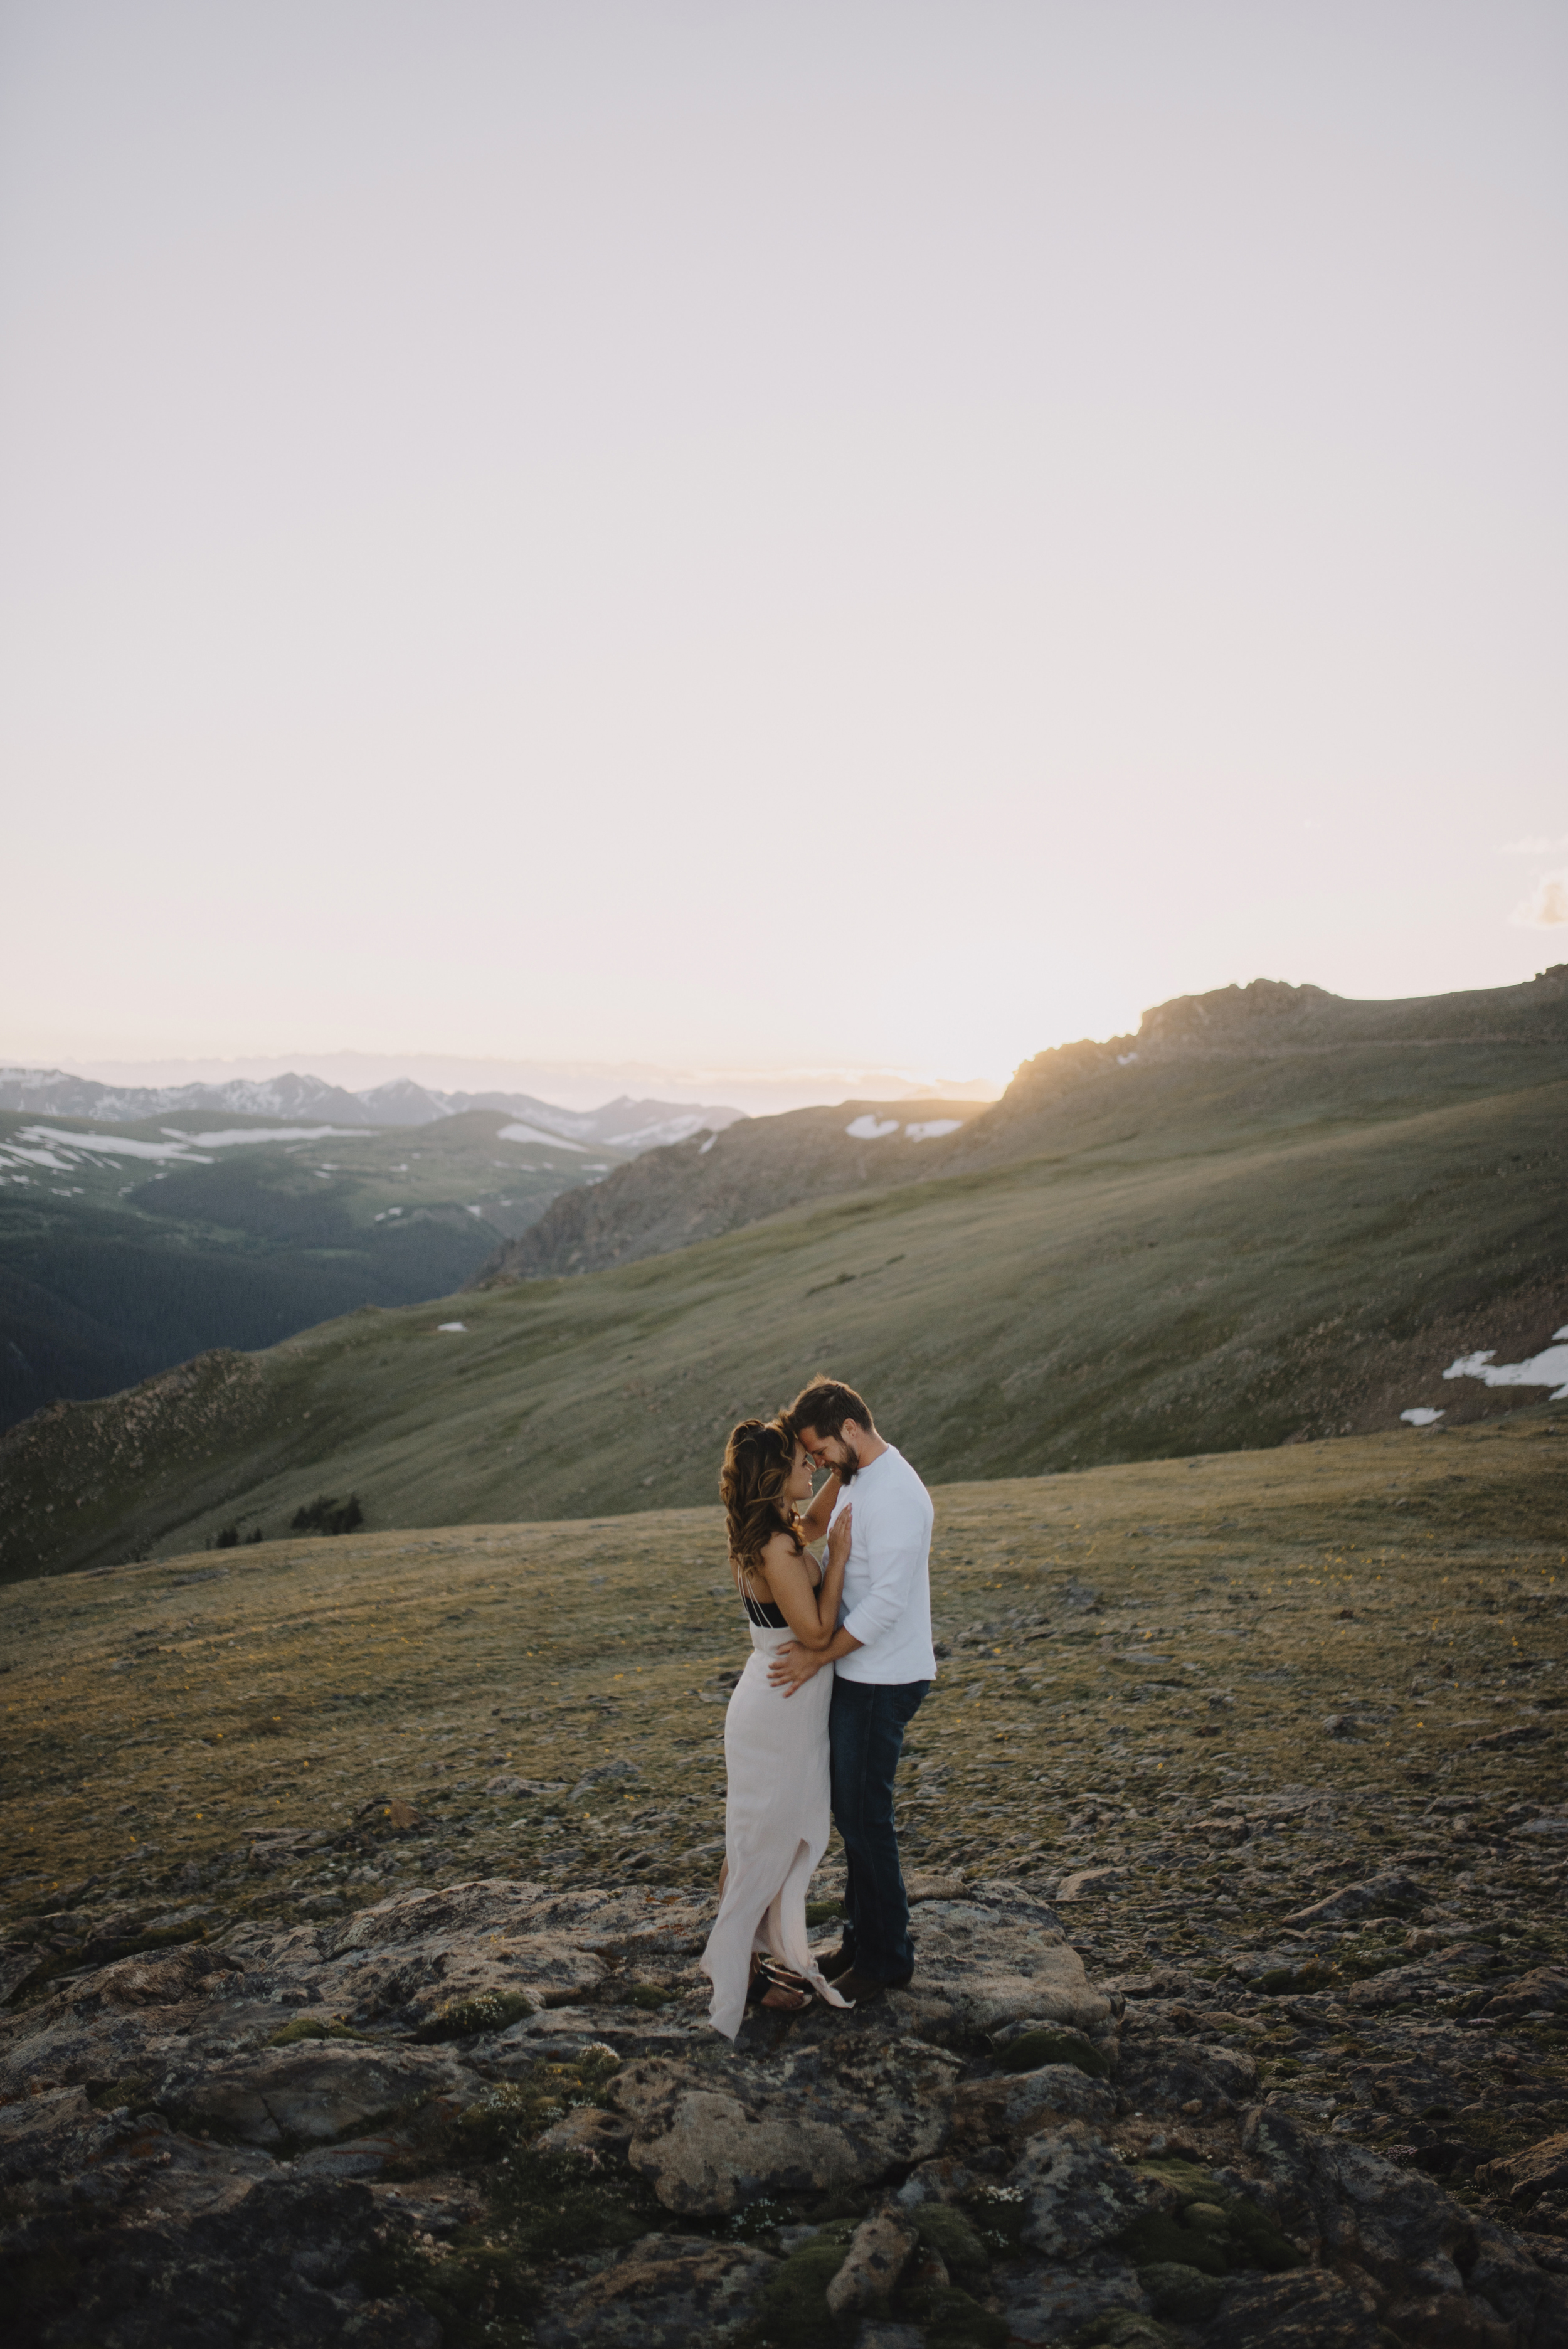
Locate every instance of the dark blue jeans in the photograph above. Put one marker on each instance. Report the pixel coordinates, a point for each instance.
(865, 1729)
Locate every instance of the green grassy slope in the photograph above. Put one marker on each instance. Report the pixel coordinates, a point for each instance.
(1202, 1073)
(1197, 1104)
(113, 1265)
(1256, 1276)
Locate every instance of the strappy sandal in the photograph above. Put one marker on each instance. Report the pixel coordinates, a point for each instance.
(771, 1975)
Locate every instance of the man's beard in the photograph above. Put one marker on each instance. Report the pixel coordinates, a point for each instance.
(851, 1468)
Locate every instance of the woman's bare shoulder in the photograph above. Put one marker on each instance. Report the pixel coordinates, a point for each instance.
(781, 1554)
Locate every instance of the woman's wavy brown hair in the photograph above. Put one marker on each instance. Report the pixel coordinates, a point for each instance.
(757, 1463)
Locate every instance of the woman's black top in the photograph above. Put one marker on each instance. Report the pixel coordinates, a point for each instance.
(764, 1613)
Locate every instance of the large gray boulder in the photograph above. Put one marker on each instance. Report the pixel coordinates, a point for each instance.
(597, 2137)
(709, 2137)
(622, 1919)
(163, 1979)
(1503, 2278)
(1525, 2176)
(991, 1963)
(878, 2252)
(1307, 2310)
(1543, 1991)
(1051, 2303)
(1026, 2104)
(315, 2090)
(420, 1954)
(1395, 2224)
(669, 2291)
(1455, 2276)
(1414, 2082)
(1183, 2075)
(1389, 1893)
(1078, 2194)
(54, 2132)
(159, 2176)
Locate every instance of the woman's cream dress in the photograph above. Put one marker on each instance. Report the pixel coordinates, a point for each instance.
(776, 1818)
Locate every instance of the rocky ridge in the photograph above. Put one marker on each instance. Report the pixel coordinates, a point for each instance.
(717, 1182)
(493, 2112)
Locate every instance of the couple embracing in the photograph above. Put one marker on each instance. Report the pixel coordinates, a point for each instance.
(842, 1656)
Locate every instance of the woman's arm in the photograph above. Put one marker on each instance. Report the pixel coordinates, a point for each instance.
(835, 1557)
(814, 1524)
(812, 1614)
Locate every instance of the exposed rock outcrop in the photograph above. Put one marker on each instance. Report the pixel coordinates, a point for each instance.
(460, 2109)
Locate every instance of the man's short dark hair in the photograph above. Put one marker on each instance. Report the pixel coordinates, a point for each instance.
(824, 1405)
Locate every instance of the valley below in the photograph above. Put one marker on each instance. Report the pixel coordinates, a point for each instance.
(354, 1890)
(126, 1248)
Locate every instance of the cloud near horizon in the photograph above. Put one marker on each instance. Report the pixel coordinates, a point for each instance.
(1546, 908)
(1533, 845)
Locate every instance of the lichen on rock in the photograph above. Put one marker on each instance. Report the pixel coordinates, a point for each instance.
(390, 2132)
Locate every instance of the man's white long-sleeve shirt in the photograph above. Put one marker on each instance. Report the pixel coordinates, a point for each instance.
(886, 1603)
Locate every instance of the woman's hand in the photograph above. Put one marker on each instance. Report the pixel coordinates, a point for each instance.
(839, 1538)
(814, 1523)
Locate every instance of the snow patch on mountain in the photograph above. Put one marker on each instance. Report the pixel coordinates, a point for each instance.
(1542, 1370)
(535, 1134)
(871, 1128)
(228, 1137)
(87, 1148)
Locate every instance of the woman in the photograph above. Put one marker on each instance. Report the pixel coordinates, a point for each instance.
(777, 1816)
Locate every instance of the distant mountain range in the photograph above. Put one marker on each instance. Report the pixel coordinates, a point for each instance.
(621, 1124)
(149, 1222)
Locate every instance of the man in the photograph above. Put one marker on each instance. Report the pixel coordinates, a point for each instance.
(883, 1663)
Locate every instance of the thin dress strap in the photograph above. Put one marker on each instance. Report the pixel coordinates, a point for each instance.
(749, 1597)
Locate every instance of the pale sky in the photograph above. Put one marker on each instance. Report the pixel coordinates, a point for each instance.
(742, 535)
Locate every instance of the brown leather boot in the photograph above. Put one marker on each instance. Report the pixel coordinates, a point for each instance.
(859, 1989)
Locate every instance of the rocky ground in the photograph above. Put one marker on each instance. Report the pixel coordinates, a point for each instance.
(354, 1890)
